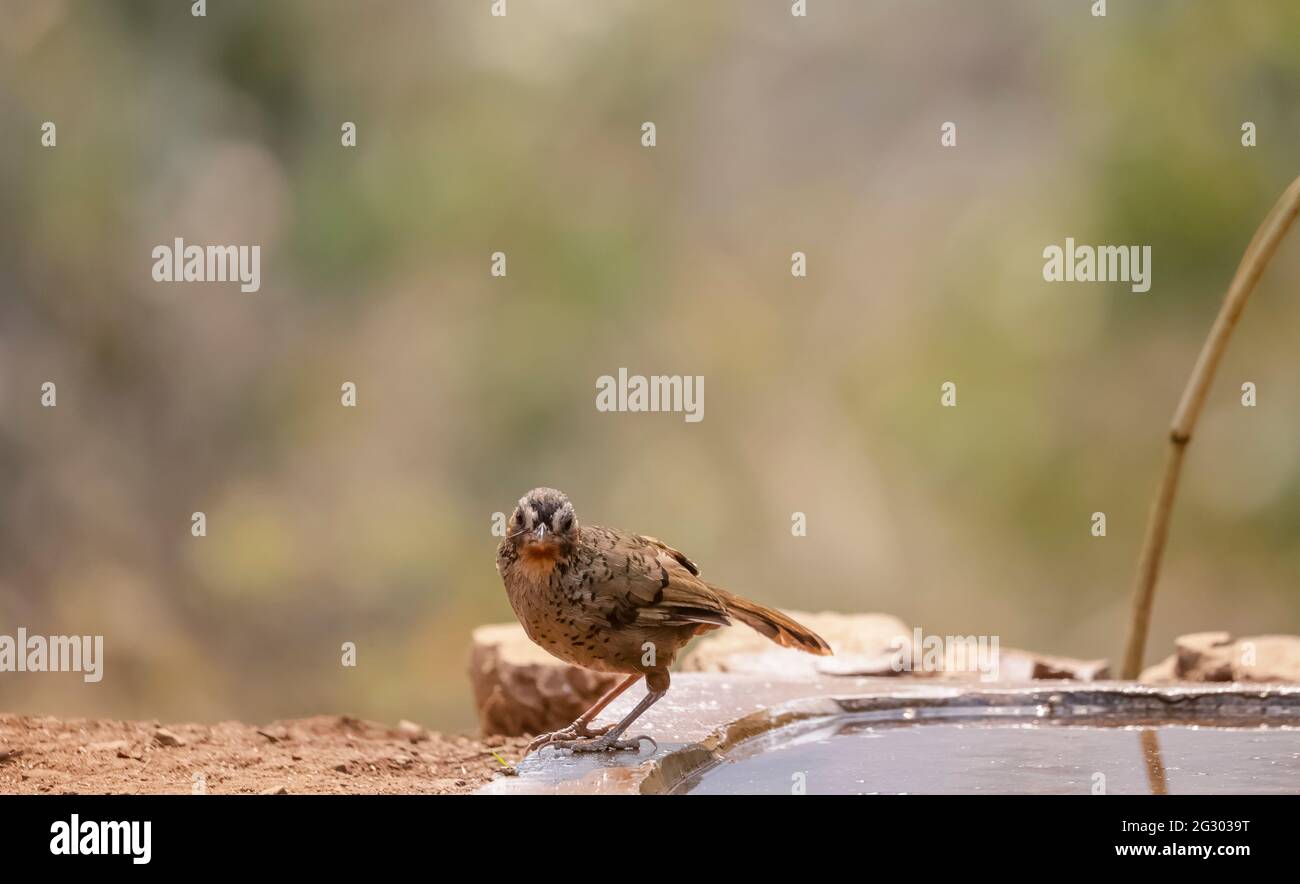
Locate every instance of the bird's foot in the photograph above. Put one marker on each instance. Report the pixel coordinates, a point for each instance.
(605, 743)
(575, 731)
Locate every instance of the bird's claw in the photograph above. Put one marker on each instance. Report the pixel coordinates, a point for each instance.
(571, 733)
(604, 743)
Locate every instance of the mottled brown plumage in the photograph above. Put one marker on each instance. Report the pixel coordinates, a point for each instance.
(613, 601)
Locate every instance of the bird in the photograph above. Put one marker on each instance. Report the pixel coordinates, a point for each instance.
(614, 601)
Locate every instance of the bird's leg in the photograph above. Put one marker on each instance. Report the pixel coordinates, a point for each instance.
(579, 727)
(610, 739)
(610, 696)
(657, 686)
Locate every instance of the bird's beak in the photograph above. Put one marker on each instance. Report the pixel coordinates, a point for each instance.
(539, 532)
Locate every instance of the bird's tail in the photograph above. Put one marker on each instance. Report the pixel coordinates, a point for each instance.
(785, 631)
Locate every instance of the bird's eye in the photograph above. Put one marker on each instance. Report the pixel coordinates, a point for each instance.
(567, 522)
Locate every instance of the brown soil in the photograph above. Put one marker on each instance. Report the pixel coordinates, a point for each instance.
(312, 755)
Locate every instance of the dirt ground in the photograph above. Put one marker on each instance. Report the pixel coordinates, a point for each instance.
(329, 755)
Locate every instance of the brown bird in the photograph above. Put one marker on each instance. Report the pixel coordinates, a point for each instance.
(612, 601)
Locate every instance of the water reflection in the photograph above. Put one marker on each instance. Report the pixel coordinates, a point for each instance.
(1155, 764)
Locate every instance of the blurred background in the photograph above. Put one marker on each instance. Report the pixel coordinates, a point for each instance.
(522, 134)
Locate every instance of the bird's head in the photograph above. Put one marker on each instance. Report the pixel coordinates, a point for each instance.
(543, 525)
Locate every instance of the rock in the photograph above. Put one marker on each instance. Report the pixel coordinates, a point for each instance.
(412, 731)
(1267, 658)
(864, 644)
(1164, 671)
(1215, 656)
(7, 755)
(118, 746)
(887, 664)
(275, 734)
(1206, 655)
(1050, 667)
(274, 790)
(521, 689)
(868, 644)
(164, 737)
(1018, 665)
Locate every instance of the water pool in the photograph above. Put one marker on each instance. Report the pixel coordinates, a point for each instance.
(855, 755)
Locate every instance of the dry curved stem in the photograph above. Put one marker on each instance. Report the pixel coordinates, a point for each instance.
(1253, 263)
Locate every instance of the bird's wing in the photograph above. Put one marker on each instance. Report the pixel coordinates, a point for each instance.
(648, 583)
(676, 554)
